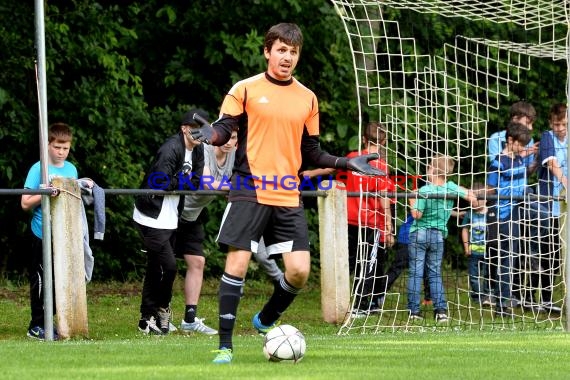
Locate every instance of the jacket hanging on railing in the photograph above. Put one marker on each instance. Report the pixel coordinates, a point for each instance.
(92, 195)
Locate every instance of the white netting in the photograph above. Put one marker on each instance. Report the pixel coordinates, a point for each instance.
(441, 103)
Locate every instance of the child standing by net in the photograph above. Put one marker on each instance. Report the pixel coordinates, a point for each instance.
(60, 137)
(507, 178)
(431, 213)
(474, 237)
(369, 223)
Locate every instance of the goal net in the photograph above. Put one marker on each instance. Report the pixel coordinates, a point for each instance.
(448, 96)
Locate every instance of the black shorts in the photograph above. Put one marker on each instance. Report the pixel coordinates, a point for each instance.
(284, 229)
(189, 238)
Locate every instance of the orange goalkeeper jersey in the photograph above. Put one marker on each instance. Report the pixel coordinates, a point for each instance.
(272, 117)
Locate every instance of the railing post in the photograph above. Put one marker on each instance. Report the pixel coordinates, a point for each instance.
(68, 261)
(333, 240)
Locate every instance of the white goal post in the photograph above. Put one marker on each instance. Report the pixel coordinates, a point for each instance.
(448, 98)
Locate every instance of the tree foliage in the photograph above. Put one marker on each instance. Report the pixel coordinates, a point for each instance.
(121, 73)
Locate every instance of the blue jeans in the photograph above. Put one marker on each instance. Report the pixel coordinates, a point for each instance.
(478, 269)
(426, 247)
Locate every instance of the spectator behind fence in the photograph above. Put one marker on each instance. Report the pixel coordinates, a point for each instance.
(474, 238)
(507, 178)
(431, 213)
(369, 216)
(521, 112)
(553, 181)
(60, 137)
(190, 236)
(177, 165)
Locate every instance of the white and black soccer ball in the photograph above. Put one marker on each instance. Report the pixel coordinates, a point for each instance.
(284, 343)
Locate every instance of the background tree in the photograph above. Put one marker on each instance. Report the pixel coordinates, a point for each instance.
(122, 72)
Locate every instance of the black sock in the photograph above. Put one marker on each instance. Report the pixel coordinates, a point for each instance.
(229, 297)
(283, 295)
(190, 313)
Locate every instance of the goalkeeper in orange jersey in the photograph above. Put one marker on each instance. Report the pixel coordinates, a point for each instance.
(278, 126)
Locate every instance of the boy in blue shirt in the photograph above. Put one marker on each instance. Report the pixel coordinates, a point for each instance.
(523, 113)
(507, 177)
(431, 213)
(553, 182)
(59, 144)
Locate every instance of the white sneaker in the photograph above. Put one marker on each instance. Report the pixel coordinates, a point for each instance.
(487, 301)
(441, 318)
(148, 326)
(197, 326)
(359, 313)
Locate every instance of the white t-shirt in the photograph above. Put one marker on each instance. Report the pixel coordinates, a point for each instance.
(168, 217)
(193, 204)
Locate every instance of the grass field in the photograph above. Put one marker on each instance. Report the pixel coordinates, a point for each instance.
(115, 349)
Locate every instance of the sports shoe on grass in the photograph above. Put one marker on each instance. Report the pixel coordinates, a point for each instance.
(224, 356)
(147, 325)
(487, 301)
(164, 316)
(360, 313)
(261, 328)
(550, 307)
(416, 317)
(197, 326)
(514, 303)
(441, 318)
(39, 333)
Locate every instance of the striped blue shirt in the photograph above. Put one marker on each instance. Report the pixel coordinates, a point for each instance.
(508, 176)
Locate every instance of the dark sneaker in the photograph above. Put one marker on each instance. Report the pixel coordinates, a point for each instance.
(550, 307)
(147, 325)
(532, 306)
(368, 308)
(261, 328)
(39, 333)
(377, 305)
(164, 317)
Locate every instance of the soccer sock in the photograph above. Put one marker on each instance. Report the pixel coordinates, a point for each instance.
(229, 297)
(283, 295)
(190, 313)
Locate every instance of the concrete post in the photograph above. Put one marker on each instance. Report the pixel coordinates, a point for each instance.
(333, 240)
(68, 261)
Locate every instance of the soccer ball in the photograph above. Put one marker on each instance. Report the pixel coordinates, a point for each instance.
(284, 343)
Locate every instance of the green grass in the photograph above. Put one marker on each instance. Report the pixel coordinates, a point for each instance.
(115, 350)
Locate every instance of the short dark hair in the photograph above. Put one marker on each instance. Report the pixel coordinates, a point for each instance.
(286, 32)
(557, 112)
(60, 132)
(518, 132)
(188, 118)
(375, 132)
(522, 108)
